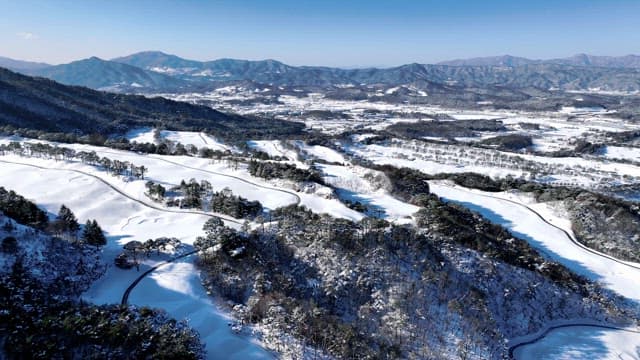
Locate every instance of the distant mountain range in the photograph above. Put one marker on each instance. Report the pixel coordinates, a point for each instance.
(154, 71)
(628, 61)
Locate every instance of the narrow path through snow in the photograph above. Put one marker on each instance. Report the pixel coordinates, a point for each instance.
(517, 347)
(560, 245)
(114, 188)
(127, 292)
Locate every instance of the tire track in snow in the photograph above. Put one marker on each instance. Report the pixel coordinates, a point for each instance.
(128, 221)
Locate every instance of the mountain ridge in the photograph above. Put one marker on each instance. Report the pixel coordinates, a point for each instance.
(153, 72)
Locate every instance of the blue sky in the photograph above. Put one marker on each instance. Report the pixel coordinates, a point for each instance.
(330, 32)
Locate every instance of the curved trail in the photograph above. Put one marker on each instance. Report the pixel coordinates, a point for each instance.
(298, 199)
(549, 329)
(546, 332)
(156, 157)
(566, 233)
(125, 296)
(114, 188)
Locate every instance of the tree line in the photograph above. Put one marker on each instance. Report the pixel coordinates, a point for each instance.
(43, 150)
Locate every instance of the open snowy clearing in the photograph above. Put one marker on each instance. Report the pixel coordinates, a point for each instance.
(321, 152)
(170, 170)
(178, 292)
(352, 186)
(197, 139)
(274, 148)
(622, 153)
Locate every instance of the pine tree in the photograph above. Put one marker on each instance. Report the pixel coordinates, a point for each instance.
(66, 221)
(93, 234)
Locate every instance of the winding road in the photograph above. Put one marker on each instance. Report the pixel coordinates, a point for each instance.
(566, 233)
(549, 329)
(546, 331)
(125, 296)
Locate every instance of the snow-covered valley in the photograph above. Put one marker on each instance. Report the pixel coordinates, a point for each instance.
(350, 190)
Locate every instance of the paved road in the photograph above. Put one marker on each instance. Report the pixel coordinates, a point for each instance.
(549, 329)
(566, 233)
(125, 296)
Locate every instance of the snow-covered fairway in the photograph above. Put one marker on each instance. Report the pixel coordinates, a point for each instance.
(548, 239)
(511, 212)
(175, 288)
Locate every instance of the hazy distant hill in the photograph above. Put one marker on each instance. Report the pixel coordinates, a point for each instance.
(19, 65)
(42, 104)
(628, 61)
(504, 60)
(221, 70)
(101, 74)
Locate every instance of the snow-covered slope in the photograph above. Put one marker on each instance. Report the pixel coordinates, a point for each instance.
(197, 139)
(618, 276)
(517, 215)
(178, 292)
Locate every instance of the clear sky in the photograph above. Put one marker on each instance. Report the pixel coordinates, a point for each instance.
(321, 32)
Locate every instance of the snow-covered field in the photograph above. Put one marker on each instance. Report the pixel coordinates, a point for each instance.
(622, 153)
(507, 210)
(177, 292)
(351, 182)
(516, 213)
(321, 152)
(431, 158)
(273, 148)
(145, 135)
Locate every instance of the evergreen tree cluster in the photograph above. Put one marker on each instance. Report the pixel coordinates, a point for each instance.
(93, 234)
(200, 195)
(275, 170)
(43, 150)
(66, 222)
(155, 191)
(38, 323)
(22, 210)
